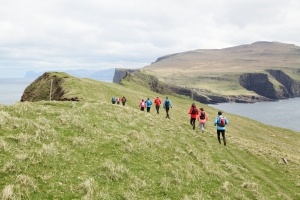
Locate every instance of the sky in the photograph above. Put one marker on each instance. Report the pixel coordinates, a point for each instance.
(60, 35)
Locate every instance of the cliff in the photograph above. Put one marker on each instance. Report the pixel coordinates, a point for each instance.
(283, 86)
(292, 86)
(121, 73)
(246, 73)
(268, 86)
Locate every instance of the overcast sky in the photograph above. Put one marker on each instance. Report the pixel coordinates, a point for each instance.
(45, 35)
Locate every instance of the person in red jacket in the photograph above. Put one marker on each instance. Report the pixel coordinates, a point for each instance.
(194, 113)
(142, 105)
(157, 102)
(123, 101)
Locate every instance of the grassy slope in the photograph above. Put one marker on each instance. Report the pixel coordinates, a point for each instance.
(221, 83)
(95, 150)
(211, 69)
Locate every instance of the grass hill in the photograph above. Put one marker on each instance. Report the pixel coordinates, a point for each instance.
(91, 149)
(269, 69)
(255, 57)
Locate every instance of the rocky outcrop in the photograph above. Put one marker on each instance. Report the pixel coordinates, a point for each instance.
(260, 83)
(121, 73)
(202, 96)
(47, 83)
(292, 86)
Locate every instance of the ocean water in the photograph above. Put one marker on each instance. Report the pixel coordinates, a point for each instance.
(283, 113)
(11, 89)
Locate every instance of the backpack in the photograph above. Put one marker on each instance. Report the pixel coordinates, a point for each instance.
(167, 104)
(202, 116)
(194, 111)
(222, 121)
(113, 99)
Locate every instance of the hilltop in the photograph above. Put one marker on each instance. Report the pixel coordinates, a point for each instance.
(253, 57)
(101, 75)
(91, 149)
(262, 71)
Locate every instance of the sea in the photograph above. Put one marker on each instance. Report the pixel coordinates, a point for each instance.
(283, 113)
(11, 89)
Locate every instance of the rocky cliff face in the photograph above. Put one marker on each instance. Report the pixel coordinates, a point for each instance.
(292, 86)
(260, 83)
(121, 73)
(199, 95)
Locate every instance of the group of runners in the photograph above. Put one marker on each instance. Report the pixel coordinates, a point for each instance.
(167, 104)
(117, 100)
(196, 114)
(202, 117)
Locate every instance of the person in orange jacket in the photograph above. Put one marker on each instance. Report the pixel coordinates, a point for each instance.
(142, 105)
(157, 102)
(194, 113)
(202, 118)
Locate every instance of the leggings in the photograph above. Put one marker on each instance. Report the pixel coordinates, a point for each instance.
(157, 109)
(192, 121)
(167, 111)
(223, 135)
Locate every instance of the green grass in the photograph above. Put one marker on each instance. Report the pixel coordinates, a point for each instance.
(221, 83)
(92, 149)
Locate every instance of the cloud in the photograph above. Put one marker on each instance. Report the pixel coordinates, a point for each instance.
(61, 34)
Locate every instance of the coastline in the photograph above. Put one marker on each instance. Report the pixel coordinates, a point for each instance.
(281, 113)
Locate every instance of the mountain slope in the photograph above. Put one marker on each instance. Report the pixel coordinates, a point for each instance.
(91, 149)
(243, 58)
(222, 72)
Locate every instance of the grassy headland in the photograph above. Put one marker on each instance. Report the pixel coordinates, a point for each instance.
(217, 71)
(92, 149)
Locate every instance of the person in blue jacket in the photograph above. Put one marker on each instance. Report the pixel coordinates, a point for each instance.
(221, 123)
(167, 105)
(148, 104)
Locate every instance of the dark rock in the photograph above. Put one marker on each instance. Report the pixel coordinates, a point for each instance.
(292, 86)
(121, 73)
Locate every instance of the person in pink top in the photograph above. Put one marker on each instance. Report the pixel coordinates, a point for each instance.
(194, 113)
(203, 118)
(142, 105)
